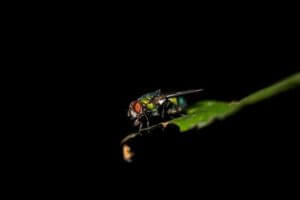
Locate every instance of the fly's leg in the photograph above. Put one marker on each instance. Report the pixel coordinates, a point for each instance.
(163, 113)
(140, 128)
(140, 123)
(164, 108)
(148, 123)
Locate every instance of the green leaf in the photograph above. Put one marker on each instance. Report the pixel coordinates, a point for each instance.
(203, 113)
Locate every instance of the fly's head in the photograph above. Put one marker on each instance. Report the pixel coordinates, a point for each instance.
(136, 111)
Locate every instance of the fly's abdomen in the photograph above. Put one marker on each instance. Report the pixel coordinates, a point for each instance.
(179, 101)
(182, 102)
(178, 105)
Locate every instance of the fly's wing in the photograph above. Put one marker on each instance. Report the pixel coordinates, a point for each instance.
(181, 93)
(150, 95)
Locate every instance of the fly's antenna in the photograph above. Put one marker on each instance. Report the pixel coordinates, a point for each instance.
(183, 93)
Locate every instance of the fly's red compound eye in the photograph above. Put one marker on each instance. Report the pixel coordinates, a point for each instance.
(137, 107)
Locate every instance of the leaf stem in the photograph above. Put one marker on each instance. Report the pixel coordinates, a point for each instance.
(278, 88)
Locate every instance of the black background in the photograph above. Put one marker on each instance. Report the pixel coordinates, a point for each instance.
(91, 73)
(90, 117)
(74, 69)
(89, 121)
